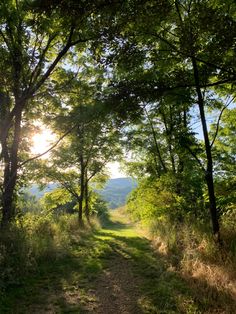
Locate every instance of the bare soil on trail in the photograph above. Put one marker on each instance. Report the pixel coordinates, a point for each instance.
(113, 270)
(117, 288)
(114, 291)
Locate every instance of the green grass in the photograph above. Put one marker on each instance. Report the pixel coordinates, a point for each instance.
(162, 290)
(66, 283)
(55, 280)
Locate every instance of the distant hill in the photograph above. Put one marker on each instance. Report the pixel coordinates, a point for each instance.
(114, 192)
(36, 191)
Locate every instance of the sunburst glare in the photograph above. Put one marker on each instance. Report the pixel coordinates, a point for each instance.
(42, 141)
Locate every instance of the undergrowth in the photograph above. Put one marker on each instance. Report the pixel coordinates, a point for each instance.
(191, 251)
(33, 239)
(48, 263)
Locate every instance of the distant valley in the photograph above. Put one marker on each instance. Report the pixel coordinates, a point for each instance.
(114, 193)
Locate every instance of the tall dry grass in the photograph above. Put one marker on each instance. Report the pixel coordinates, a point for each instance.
(209, 269)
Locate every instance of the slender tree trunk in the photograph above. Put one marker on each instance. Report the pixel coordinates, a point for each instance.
(156, 145)
(209, 170)
(86, 197)
(10, 171)
(182, 124)
(80, 216)
(169, 141)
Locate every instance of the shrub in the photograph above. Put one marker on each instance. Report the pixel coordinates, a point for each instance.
(33, 238)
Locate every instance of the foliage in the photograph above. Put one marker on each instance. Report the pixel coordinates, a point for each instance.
(224, 148)
(155, 200)
(36, 40)
(58, 200)
(174, 65)
(34, 237)
(61, 201)
(110, 76)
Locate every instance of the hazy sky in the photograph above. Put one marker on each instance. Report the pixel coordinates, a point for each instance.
(114, 168)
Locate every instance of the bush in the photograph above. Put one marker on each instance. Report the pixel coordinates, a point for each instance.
(182, 233)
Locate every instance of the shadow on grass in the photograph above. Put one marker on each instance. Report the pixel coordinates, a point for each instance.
(66, 284)
(108, 224)
(163, 289)
(58, 285)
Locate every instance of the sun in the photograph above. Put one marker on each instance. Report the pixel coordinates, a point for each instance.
(42, 141)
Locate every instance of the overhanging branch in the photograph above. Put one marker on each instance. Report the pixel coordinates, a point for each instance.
(49, 149)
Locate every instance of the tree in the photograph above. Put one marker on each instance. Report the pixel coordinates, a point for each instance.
(35, 37)
(85, 153)
(224, 152)
(177, 52)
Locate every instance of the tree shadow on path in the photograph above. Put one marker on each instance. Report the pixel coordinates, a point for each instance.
(158, 286)
(112, 271)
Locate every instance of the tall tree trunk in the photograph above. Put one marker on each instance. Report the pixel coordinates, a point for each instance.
(182, 124)
(80, 216)
(86, 197)
(10, 171)
(209, 170)
(168, 131)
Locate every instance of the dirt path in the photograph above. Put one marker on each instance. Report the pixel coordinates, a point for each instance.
(117, 288)
(111, 271)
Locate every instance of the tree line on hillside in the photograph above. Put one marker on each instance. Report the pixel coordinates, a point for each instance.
(104, 75)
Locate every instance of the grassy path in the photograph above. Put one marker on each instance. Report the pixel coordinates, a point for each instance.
(112, 271)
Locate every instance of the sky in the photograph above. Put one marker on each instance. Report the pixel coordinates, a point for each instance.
(210, 118)
(114, 169)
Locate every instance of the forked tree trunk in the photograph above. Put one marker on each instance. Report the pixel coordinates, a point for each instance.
(158, 152)
(168, 131)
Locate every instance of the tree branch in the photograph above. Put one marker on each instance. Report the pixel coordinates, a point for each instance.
(54, 63)
(195, 157)
(218, 121)
(49, 149)
(189, 55)
(35, 73)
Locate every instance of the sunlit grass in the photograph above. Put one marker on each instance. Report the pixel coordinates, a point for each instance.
(64, 278)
